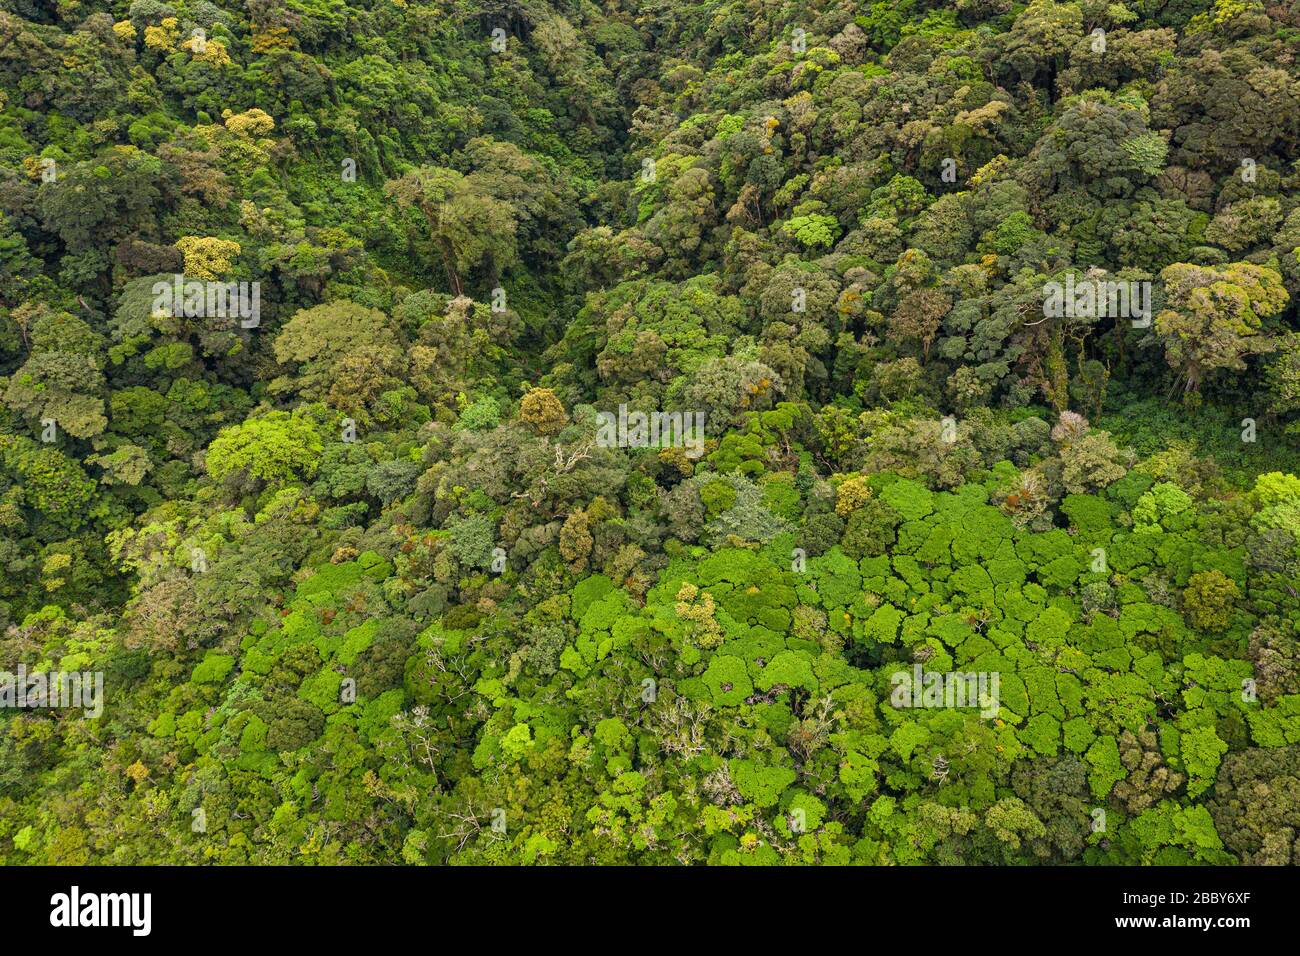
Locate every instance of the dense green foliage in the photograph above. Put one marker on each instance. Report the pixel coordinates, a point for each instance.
(363, 584)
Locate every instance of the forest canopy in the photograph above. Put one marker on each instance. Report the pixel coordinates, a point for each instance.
(684, 432)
